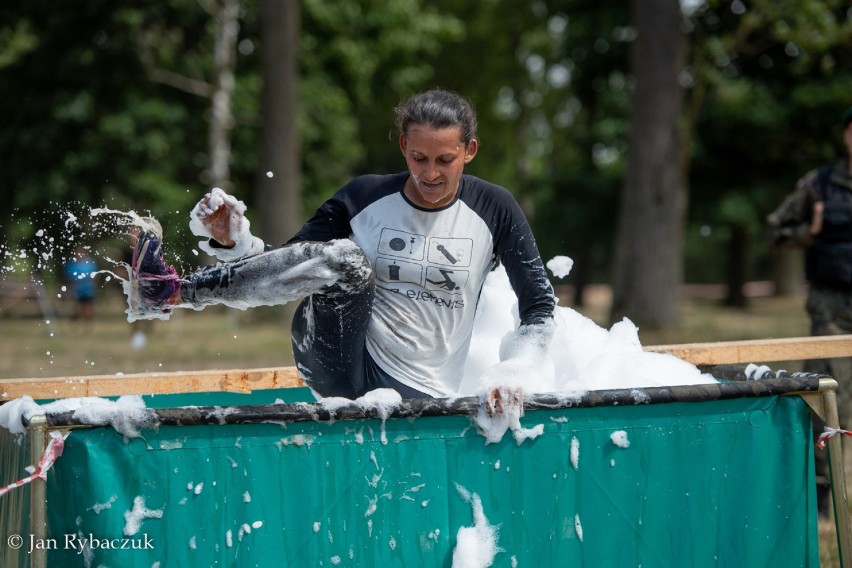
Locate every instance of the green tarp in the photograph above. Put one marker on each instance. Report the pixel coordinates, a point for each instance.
(717, 483)
(713, 483)
(14, 505)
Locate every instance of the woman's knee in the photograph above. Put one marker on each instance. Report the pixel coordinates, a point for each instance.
(352, 263)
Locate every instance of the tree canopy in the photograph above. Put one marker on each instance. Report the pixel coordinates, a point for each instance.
(106, 103)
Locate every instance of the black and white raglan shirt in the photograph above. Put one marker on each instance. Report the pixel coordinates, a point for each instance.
(430, 266)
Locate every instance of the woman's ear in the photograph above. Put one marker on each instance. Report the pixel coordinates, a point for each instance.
(403, 142)
(470, 151)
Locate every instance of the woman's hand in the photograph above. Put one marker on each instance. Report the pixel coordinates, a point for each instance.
(504, 400)
(215, 215)
(218, 216)
(220, 220)
(816, 218)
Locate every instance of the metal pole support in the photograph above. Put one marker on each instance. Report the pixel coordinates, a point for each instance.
(38, 492)
(828, 389)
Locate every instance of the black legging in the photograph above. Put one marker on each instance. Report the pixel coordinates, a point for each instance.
(330, 324)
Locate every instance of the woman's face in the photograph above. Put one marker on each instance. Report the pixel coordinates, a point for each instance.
(435, 158)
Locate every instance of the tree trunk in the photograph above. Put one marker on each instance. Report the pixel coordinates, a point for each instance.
(221, 117)
(789, 275)
(649, 260)
(581, 274)
(279, 197)
(738, 264)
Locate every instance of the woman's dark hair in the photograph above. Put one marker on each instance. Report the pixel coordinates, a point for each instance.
(439, 109)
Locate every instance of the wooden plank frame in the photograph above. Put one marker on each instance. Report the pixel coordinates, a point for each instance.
(237, 380)
(760, 350)
(248, 380)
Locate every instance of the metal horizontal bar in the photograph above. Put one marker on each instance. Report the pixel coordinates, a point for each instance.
(468, 406)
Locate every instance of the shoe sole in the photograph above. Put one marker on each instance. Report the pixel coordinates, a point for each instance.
(134, 299)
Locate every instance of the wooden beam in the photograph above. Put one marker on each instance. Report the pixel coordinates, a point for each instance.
(248, 380)
(759, 350)
(238, 380)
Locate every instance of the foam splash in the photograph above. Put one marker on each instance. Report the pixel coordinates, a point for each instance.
(581, 356)
(476, 546)
(127, 415)
(50, 240)
(137, 515)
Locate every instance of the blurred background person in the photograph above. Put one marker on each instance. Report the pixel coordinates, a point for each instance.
(818, 216)
(79, 277)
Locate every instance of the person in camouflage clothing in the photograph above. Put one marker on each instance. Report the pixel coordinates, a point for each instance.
(818, 216)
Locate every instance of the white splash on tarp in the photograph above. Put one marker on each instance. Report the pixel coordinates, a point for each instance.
(578, 527)
(98, 507)
(575, 453)
(476, 546)
(523, 434)
(619, 438)
(297, 440)
(372, 505)
(137, 515)
(384, 402)
(242, 531)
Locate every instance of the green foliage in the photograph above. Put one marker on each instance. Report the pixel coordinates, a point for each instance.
(15, 42)
(86, 122)
(358, 62)
(82, 124)
(90, 121)
(770, 81)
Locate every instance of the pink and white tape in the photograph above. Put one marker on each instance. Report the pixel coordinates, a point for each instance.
(828, 433)
(51, 452)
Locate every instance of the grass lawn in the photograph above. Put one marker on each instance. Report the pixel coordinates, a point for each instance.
(216, 338)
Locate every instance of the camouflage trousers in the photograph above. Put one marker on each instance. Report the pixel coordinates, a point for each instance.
(830, 312)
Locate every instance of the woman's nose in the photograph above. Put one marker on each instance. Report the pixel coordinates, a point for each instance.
(429, 171)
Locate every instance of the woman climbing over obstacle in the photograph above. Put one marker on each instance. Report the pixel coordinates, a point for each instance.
(389, 270)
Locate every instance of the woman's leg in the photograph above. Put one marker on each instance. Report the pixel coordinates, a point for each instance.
(328, 333)
(278, 276)
(330, 325)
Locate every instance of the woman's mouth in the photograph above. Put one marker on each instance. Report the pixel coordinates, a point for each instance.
(428, 185)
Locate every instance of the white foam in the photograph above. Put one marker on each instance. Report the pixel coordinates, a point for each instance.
(581, 356)
(560, 266)
(619, 438)
(476, 546)
(137, 515)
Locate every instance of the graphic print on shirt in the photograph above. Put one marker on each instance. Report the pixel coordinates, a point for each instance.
(442, 271)
(402, 244)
